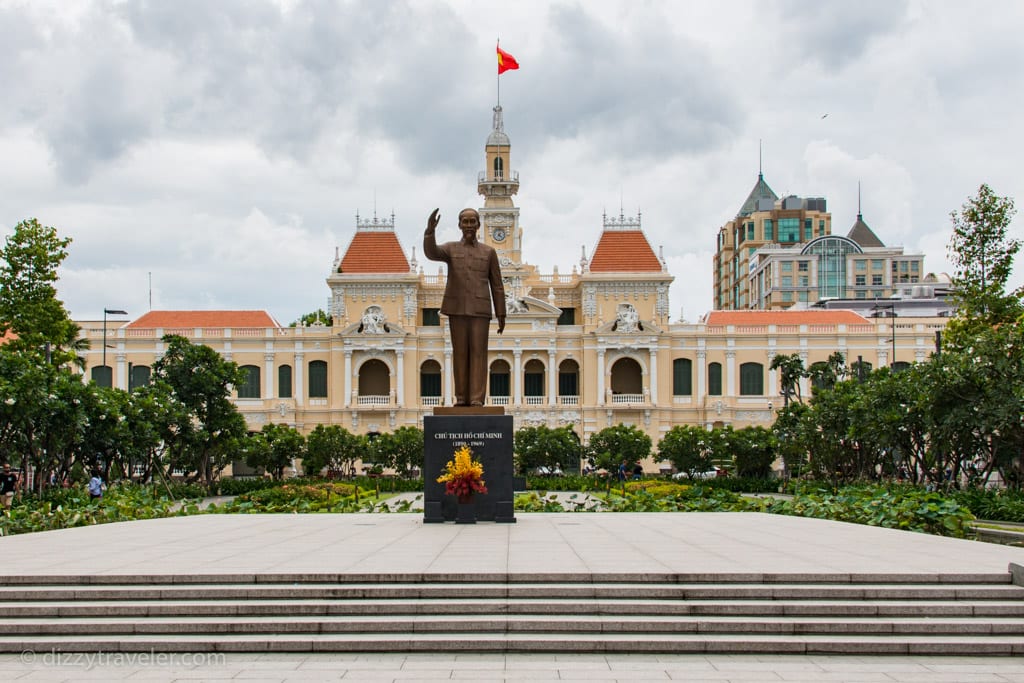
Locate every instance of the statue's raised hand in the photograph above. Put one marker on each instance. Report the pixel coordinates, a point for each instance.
(434, 219)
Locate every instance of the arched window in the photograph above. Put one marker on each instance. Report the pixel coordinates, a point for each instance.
(284, 381)
(103, 375)
(499, 168)
(900, 365)
(751, 379)
(374, 378)
(499, 383)
(682, 377)
(430, 379)
(250, 388)
(533, 378)
(317, 379)
(627, 377)
(138, 376)
(714, 379)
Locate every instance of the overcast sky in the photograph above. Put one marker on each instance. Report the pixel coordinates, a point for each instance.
(225, 146)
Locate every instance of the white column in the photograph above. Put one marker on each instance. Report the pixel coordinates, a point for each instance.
(702, 369)
(449, 383)
(552, 375)
(347, 396)
(400, 380)
(517, 380)
(730, 373)
(268, 380)
(600, 377)
(122, 368)
(773, 380)
(654, 375)
(300, 388)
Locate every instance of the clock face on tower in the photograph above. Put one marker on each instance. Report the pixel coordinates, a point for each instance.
(498, 234)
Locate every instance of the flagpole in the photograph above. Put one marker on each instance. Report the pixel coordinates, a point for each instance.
(499, 77)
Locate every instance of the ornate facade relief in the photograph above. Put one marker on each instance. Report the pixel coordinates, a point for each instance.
(374, 321)
(338, 302)
(626, 319)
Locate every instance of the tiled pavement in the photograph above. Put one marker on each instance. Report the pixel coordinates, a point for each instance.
(287, 668)
(538, 543)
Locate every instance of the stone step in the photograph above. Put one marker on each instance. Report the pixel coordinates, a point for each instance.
(448, 578)
(964, 644)
(443, 607)
(731, 591)
(555, 624)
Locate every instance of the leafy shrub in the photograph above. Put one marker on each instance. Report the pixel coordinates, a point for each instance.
(299, 497)
(1004, 505)
(909, 509)
(121, 503)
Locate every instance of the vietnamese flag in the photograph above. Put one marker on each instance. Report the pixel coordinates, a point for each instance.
(506, 62)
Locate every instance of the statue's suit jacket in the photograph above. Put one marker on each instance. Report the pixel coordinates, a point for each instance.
(470, 268)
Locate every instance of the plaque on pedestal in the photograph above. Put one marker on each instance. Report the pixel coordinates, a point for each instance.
(489, 437)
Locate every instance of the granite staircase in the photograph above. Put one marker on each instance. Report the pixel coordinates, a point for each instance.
(975, 614)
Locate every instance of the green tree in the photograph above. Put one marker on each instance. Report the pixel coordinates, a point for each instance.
(401, 450)
(791, 371)
(612, 445)
(319, 316)
(274, 448)
(202, 437)
(788, 430)
(753, 451)
(332, 447)
(825, 374)
(982, 254)
(542, 446)
(29, 306)
(688, 448)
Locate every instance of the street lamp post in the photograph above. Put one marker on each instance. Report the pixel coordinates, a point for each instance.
(890, 312)
(110, 311)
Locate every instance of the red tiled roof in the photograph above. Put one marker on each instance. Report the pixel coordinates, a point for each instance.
(835, 317)
(374, 252)
(205, 319)
(624, 251)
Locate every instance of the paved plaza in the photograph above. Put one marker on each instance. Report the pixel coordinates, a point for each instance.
(539, 543)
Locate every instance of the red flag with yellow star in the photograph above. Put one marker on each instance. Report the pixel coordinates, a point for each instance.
(506, 62)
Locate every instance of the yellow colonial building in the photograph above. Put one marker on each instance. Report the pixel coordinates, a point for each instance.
(591, 348)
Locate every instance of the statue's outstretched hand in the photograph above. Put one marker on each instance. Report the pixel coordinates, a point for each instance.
(501, 324)
(434, 219)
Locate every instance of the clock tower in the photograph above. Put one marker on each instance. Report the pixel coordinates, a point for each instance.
(499, 217)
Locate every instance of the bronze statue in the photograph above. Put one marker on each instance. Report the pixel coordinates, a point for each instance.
(474, 283)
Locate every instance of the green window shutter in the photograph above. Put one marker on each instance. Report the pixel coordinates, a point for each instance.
(682, 377)
(250, 388)
(284, 381)
(714, 379)
(430, 384)
(751, 379)
(533, 384)
(318, 379)
(499, 385)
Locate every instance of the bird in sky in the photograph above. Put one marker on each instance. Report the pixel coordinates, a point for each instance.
(824, 115)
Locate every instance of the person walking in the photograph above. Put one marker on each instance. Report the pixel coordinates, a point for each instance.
(8, 485)
(96, 486)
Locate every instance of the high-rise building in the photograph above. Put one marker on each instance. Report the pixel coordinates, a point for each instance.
(764, 220)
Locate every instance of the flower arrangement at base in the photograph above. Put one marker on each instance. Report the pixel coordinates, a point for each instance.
(463, 476)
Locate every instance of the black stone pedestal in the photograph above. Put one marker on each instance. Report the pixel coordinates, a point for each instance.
(490, 439)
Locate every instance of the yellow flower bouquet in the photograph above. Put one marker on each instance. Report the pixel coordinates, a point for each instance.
(463, 476)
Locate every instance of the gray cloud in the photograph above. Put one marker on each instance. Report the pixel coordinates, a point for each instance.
(836, 34)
